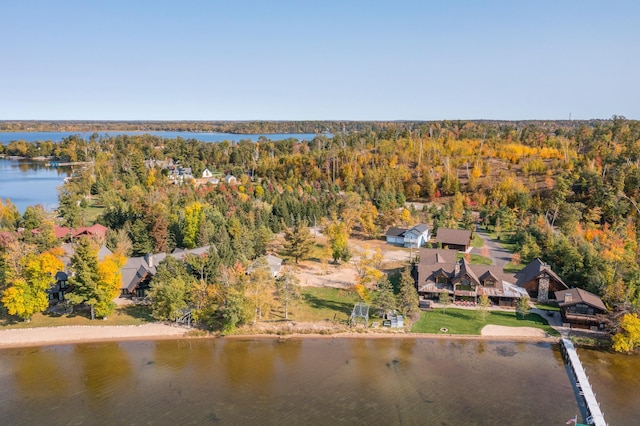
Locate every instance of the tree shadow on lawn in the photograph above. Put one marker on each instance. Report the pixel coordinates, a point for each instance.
(140, 312)
(317, 303)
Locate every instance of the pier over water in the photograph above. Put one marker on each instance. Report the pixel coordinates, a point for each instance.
(594, 414)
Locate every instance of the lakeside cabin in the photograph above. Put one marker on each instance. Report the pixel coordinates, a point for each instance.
(581, 309)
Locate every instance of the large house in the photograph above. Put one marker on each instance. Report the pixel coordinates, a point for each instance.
(452, 239)
(138, 271)
(580, 309)
(540, 281)
(438, 272)
(414, 237)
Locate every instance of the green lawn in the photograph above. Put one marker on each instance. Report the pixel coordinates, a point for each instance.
(124, 315)
(464, 321)
(476, 259)
(547, 307)
(512, 268)
(476, 241)
(91, 213)
(323, 303)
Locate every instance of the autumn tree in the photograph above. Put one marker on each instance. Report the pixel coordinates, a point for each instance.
(298, 242)
(368, 218)
(628, 338)
(260, 289)
(109, 282)
(27, 293)
(339, 240)
(368, 273)
(288, 291)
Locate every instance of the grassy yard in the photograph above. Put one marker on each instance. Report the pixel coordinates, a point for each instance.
(124, 315)
(476, 259)
(476, 241)
(323, 303)
(547, 307)
(464, 321)
(512, 268)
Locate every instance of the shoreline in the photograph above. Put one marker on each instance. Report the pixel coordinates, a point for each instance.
(67, 335)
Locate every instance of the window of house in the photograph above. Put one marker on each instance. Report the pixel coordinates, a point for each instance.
(489, 283)
(441, 280)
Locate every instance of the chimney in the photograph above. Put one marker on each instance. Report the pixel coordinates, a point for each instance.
(149, 258)
(568, 297)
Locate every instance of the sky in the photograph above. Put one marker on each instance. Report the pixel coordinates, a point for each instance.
(319, 60)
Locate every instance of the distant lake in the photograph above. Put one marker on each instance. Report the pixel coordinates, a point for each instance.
(28, 183)
(6, 137)
(384, 381)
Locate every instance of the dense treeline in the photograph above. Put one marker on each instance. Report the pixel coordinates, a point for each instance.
(566, 192)
(462, 129)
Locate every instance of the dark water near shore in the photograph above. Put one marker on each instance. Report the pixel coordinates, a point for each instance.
(615, 379)
(295, 381)
(28, 183)
(6, 137)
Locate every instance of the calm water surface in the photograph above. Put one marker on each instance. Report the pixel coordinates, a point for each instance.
(615, 379)
(6, 137)
(295, 381)
(30, 182)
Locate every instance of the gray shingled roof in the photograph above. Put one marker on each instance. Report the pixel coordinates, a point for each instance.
(579, 295)
(395, 232)
(533, 269)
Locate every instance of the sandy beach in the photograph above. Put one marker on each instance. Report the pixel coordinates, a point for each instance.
(78, 334)
(44, 336)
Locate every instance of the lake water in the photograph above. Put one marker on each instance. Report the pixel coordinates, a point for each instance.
(28, 183)
(289, 382)
(6, 137)
(615, 379)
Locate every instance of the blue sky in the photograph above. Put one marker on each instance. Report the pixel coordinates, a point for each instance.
(320, 60)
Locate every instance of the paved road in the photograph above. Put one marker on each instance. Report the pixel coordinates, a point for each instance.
(499, 255)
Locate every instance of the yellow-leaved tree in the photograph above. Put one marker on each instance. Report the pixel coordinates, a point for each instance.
(629, 338)
(108, 285)
(27, 293)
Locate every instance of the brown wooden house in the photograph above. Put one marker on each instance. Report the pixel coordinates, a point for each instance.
(540, 281)
(580, 309)
(439, 272)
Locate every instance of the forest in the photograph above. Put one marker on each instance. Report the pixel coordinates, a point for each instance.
(564, 191)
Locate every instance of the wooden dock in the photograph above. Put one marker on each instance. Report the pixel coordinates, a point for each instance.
(594, 413)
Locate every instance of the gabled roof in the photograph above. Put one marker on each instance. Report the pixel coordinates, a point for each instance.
(460, 237)
(465, 267)
(534, 269)
(578, 295)
(420, 228)
(395, 232)
(63, 232)
(430, 256)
